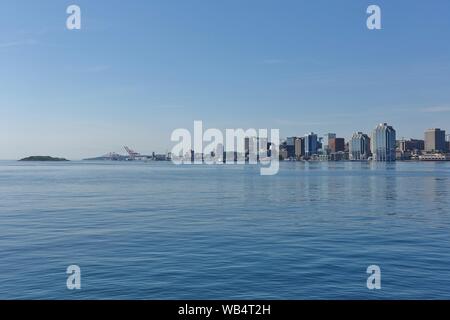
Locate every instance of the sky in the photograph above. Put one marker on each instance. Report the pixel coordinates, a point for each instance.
(137, 70)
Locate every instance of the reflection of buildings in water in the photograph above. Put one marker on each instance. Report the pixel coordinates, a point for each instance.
(359, 174)
(435, 191)
(382, 185)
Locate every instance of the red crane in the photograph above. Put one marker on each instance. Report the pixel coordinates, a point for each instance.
(133, 154)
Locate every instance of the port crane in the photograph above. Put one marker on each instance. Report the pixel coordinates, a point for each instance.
(133, 154)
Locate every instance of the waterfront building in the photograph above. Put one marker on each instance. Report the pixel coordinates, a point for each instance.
(326, 143)
(320, 144)
(290, 147)
(359, 146)
(435, 140)
(434, 157)
(283, 154)
(411, 145)
(384, 143)
(403, 155)
(336, 145)
(311, 144)
(337, 156)
(299, 148)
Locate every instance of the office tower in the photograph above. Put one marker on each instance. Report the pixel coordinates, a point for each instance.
(435, 140)
(290, 141)
(320, 144)
(326, 140)
(336, 145)
(383, 143)
(415, 144)
(311, 144)
(290, 147)
(299, 148)
(359, 146)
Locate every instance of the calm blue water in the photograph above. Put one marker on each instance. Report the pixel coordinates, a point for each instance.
(159, 231)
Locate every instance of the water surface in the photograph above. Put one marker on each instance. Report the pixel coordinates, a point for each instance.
(160, 231)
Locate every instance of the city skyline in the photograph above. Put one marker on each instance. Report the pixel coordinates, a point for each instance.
(134, 73)
(295, 145)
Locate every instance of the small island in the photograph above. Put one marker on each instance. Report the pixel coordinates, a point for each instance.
(42, 158)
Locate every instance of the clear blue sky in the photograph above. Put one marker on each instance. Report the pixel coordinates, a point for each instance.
(139, 69)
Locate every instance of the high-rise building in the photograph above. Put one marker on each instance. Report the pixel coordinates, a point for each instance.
(290, 146)
(299, 148)
(383, 143)
(359, 146)
(336, 145)
(435, 140)
(311, 144)
(320, 149)
(326, 140)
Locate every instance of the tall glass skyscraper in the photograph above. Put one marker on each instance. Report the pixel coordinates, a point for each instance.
(311, 144)
(290, 146)
(383, 143)
(359, 146)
